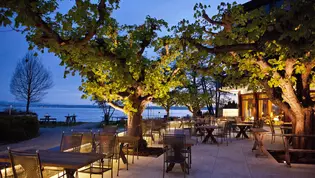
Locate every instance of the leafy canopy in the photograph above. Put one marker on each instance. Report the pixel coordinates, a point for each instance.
(109, 57)
(263, 48)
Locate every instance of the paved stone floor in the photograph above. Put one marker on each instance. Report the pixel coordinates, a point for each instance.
(48, 138)
(208, 160)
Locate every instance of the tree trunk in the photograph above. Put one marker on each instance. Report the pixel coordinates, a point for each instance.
(167, 113)
(303, 125)
(210, 109)
(196, 112)
(28, 106)
(134, 123)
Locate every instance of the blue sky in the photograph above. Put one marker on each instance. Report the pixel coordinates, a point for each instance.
(13, 45)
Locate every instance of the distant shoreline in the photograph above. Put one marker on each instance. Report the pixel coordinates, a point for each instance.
(42, 105)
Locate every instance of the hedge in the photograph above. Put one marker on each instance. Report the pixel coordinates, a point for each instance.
(18, 127)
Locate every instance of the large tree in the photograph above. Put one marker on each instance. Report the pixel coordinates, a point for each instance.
(272, 49)
(110, 58)
(30, 80)
(191, 94)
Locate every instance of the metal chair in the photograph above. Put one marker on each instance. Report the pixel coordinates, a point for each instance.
(71, 142)
(29, 163)
(147, 130)
(223, 131)
(173, 146)
(110, 129)
(105, 145)
(88, 142)
(273, 132)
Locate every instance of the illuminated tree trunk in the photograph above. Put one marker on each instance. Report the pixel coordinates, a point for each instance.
(135, 119)
(303, 124)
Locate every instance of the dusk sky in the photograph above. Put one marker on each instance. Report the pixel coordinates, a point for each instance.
(13, 45)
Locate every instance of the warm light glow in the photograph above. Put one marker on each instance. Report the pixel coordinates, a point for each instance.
(276, 118)
(271, 114)
(251, 118)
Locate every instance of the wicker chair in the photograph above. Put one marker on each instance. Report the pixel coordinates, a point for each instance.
(29, 163)
(173, 146)
(105, 145)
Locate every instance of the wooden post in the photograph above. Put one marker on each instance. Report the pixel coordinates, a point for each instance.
(240, 104)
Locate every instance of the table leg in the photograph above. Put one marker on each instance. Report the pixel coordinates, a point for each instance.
(210, 131)
(70, 173)
(242, 132)
(122, 154)
(239, 133)
(259, 142)
(206, 138)
(170, 167)
(184, 167)
(209, 135)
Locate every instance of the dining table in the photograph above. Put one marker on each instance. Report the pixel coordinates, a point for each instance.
(69, 161)
(209, 129)
(243, 128)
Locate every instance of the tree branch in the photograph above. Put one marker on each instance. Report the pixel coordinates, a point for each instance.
(101, 10)
(208, 19)
(289, 67)
(223, 49)
(116, 106)
(39, 22)
(146, 41)
(284, 106)
(208, 32)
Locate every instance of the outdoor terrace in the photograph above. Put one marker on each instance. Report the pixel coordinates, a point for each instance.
(216, 160)
(211, 160)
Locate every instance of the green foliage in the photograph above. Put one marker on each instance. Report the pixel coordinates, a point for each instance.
(110, 58)
(169, 100)
(271, 49)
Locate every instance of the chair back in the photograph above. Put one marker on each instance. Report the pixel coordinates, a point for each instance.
(259, 123)
(28, 162)
(88, 142)
(110, 129)
(106, 144)
(147, 127)
(187, 132)
(71, 143)
(223, 127)
(174, 141)
(238, 119)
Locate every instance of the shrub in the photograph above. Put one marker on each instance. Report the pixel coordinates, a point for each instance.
(14, 111)
(18, 127)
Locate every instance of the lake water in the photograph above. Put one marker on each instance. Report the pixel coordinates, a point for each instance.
(95, 114)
